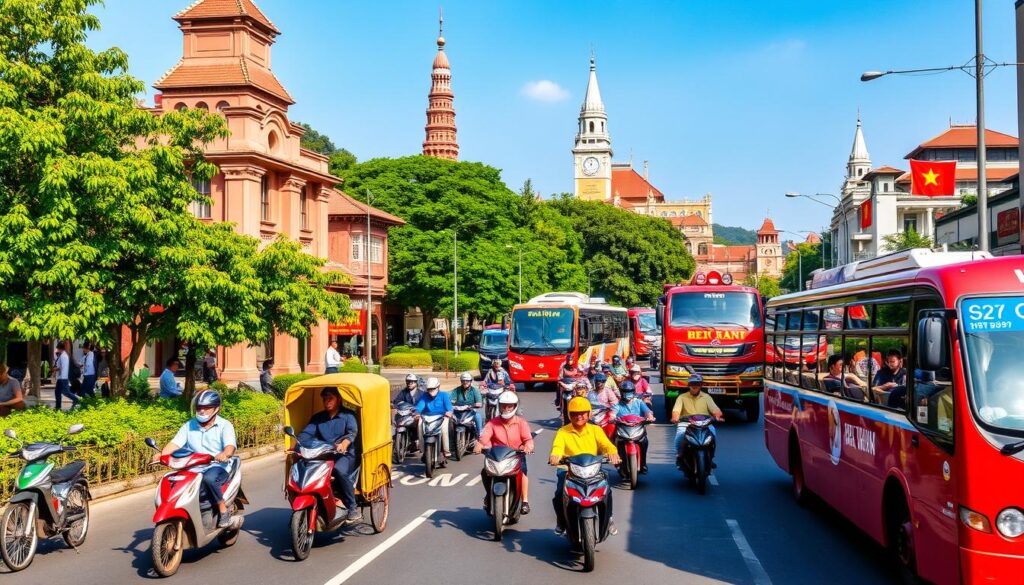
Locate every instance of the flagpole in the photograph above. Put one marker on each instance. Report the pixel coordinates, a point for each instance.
(979, 77)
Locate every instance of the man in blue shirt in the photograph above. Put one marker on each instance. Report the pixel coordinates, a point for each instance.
(338, 426)
(209, 434)
(465, 394)
(169, 388)
(433, 402)
(627, 405)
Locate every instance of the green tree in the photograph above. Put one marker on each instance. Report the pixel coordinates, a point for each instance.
(800, 262)
(339, 159)
(768, 286)
(906, 240)
(628, 256)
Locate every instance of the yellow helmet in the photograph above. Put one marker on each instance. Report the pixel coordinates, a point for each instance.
(579, 404)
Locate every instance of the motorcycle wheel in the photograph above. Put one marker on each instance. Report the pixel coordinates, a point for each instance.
(18, 540)
(398, 454)
(77, 503)
(165, 548)
(498, 511)
(460, 446)
(633, 464)
(429, 459)
(588, 538)
(701, 473)
(302, 537)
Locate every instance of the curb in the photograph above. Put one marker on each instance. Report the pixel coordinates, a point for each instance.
(115, 489)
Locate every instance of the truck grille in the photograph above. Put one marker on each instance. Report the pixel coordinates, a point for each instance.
(719, 369)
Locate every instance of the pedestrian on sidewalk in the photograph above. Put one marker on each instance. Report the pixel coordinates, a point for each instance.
(62, 370)
(267, 378)
(88, 370)
(169, 387)
(210, 367)
(332, 358)
(11, 397)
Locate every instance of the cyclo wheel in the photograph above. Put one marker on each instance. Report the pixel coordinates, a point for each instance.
(18, 539)
(165, 548)
(380, 502)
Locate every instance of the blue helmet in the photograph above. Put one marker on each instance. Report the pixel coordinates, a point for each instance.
(616, 360)
(627, 386)
(208, 398)
(599, 377)
(696, 379)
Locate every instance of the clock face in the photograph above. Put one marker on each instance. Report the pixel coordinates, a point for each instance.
(591, 165)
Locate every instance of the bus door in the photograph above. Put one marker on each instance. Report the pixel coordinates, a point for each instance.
(930, 408)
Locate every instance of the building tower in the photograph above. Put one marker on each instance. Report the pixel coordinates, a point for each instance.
(441, 141)
(769, 249)
(592, 153)
(859, 161)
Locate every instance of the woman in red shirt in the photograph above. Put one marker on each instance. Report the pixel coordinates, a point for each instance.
(510, 430)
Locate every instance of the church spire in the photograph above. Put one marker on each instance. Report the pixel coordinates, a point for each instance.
(859, 161)
(441, 133)
(593, 132)
(592, 102)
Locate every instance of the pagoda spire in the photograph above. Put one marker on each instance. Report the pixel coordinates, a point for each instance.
(440, 129)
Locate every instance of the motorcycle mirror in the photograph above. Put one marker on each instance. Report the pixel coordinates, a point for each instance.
(151, 443)
(10, 434)
(76, 428)
(289, 431)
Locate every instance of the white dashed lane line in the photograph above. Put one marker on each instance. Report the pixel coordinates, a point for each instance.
(753, 564)
(378, 550)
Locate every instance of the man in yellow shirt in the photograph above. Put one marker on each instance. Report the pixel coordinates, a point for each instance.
(575, 438)
(696, 401)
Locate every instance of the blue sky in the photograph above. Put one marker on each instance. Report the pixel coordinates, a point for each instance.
(744, 100)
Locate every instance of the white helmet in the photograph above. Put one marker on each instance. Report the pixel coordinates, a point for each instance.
(508, 398)
(433, 384)
(411, 378)
(466, 377)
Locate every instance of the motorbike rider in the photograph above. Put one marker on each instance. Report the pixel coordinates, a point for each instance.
(618, 368)
(497, 377)
(630, 404)
(603, 393)
(466, 394)
(694, 401)
(434, 402)
(338, 426)
(570, 369)
(207, 433)
(512, 431)
(575, 438)
(410, 393)
(610, 380)
(643, 387)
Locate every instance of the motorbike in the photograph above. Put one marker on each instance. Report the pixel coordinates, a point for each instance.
(602, 416)
(696, 457)
(46, 500)
(491, 395)
(185, 516)
(403, 430)
(630, 431)
(311, 493)
(463, 431)
(505, 468)
(433, 454)
(584, 503)
(655, 357)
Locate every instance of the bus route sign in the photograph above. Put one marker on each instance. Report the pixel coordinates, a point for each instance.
(981, 315)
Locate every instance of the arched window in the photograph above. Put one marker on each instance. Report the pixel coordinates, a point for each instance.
(273, 142)
(202, 106)
(689, 247)
(702, 249)
(671, 214)
(180, 106)
(698, 214)
(602, 126)
(591, 126)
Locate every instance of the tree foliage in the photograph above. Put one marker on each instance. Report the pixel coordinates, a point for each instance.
(768, 286)
(628, 256)
(794, 269)
(730, 235)
(906, 240)
(339, 159)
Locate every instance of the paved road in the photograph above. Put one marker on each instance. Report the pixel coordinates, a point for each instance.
(747, 529)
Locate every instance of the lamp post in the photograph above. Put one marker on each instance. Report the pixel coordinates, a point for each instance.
(520, 249)
(369, 298)
(800, 257)
(974, 67)
(842, 210)
(455, 239)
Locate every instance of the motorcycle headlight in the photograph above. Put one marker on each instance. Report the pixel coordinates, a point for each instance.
(584, 471)
(515, 365)
(501, 468)
(1010, 522)
(755, 370)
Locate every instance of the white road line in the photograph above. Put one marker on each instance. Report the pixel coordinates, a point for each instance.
(379, 549)
(753, 565)
(539, 431)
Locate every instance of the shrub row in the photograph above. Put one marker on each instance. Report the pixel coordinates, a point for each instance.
(413, 359)
(407, 349)
(466, 360)
(282, 382)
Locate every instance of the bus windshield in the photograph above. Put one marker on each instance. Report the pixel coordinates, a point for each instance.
(738, 309)
(994, 329)
(494, 341)
(647, 323)
(539, 331)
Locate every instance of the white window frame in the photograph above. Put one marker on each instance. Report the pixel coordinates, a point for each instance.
(357, 247)
(376, 249)
(200, 209)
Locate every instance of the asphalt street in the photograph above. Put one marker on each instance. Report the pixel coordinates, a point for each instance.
(746, 529)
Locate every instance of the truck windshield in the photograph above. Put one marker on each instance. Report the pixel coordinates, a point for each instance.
(647, 323)
(994, 329)
(738, 309)
(542, 331)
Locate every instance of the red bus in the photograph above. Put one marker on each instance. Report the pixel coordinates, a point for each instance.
(548, 327)
(712, 327)
(643, 331)
(929, 463)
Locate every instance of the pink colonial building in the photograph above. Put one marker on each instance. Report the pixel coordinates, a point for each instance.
(268, 185)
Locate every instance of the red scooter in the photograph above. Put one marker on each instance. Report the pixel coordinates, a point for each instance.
(311, 494)
(602, 416)
(630, 431)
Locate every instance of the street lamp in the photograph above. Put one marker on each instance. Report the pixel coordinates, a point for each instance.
(520, 248)
(369, 299)
(842, 210)
(455, 320)
(800, 257)
(976, 68)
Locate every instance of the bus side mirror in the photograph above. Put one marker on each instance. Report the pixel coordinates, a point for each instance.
(931, 343)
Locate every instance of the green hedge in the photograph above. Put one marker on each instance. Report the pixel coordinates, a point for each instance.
(467, 360)
(407, 349)
(282, 382)
(413, 359)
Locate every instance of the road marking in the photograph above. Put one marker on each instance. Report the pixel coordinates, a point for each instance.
(413, 480)
(379, 549)
(447, 480)
(476, 479)
(753, 565)
(713, 480)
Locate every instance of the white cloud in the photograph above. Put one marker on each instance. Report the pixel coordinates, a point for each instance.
(544, 91)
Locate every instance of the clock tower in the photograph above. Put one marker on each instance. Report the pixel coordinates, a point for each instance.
(592, 154)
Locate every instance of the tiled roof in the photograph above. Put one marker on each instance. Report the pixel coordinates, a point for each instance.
(720, 253)
(965, 137)
(768, 227)
(235, 73)
(688, 221)
(210, 9)
(971, 174)
(341, 203)
(629, 184)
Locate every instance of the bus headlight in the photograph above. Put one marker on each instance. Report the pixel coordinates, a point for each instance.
(755, 370)
(1010, 522)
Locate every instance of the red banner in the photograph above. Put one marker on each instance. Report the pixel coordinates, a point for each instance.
(932, 179)
(1007, 225)
(355, 325)
(865, 215)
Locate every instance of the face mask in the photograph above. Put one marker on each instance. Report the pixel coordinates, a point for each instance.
(628, 397)
(509, 414)
(204, 418)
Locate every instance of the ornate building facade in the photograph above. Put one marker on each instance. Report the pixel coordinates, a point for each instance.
(441, 141)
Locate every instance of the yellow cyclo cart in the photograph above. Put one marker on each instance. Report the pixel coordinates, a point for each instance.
(369, 396)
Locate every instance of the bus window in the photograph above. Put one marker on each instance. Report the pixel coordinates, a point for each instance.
(769, 322)
(931, 403)
(811, 320)
(889, 384)
(810, 347)
(833, 318)
(859, 367)
(892, 316)
(833, 345)
(858, 316)
(793, 321)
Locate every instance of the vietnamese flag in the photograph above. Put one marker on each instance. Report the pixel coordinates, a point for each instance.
(932, 179)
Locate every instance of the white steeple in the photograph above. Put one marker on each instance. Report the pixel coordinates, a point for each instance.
(593, 148)
(860, 161)
(592, 101)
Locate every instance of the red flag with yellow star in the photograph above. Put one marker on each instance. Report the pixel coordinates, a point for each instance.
(932, 179)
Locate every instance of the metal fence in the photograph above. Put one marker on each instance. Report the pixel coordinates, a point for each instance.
(131, 459)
